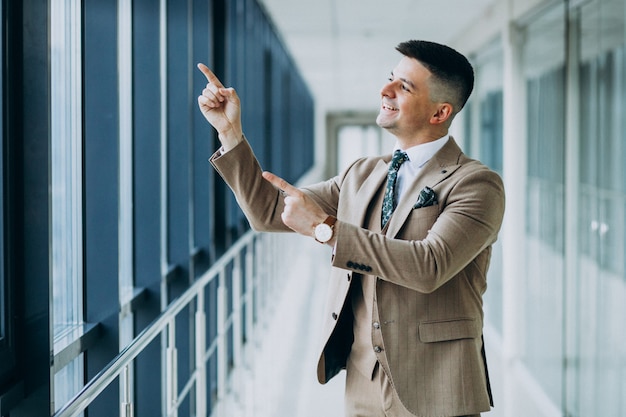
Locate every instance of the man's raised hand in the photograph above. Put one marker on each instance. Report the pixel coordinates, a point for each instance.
(221, 107)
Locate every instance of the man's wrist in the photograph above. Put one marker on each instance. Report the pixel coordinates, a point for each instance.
(230, 139)
(324, 232)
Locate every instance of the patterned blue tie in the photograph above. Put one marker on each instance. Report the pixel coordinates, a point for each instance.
(389, 202)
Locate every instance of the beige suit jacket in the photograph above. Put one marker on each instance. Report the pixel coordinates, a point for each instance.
(430, 269)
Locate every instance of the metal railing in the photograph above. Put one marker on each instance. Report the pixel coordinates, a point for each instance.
(251, 265)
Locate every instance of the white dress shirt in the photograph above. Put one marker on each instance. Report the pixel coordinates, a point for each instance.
(418, 156)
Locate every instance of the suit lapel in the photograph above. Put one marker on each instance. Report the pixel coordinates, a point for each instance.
(438, 168)
(368, 190)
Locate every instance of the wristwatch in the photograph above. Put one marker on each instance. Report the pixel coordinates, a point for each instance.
(324, 231)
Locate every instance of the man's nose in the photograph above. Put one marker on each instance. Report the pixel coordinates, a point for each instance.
(387, 89)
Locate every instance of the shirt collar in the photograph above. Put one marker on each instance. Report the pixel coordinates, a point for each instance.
(420, 154)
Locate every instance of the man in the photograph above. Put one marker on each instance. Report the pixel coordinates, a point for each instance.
(411, 242)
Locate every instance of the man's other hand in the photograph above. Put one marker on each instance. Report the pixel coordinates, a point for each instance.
(301, 213)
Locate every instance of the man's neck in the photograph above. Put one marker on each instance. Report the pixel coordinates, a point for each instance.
(406, 143)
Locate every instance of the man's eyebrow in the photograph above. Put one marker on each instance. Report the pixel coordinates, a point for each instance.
(404, 80)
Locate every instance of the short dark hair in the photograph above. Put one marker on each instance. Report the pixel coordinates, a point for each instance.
(453, 74)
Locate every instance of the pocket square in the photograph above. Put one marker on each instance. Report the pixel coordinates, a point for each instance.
(426, 198)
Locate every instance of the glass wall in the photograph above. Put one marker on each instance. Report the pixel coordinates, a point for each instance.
(569, 298)
(565, 350)
(541, 302)
(598, 378)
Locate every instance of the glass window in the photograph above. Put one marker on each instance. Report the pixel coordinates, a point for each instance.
(542, 325)
(66, 174)
(598, 377)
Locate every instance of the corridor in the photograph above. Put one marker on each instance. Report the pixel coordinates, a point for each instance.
(279, 379)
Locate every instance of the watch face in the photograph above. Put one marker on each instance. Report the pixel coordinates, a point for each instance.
(323, 232)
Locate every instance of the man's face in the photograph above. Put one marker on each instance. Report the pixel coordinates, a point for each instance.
(406, 107)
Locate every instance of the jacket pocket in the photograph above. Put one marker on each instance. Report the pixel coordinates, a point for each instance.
(451, 329)
(419, 222)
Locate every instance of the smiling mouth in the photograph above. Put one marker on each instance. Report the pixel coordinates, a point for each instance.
(390, 108)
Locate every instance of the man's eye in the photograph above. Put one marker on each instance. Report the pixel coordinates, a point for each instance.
(405, 88)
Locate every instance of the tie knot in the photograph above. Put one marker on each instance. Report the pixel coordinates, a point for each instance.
(399, 157)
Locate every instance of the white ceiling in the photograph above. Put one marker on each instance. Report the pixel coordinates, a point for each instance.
(345, 49)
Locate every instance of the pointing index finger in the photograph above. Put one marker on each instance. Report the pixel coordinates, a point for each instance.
(280, 183)
(210, 76)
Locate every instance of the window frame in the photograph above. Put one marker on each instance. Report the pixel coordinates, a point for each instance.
(8, 234)
(7, 359)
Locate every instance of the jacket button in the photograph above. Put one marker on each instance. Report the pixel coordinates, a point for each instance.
(334, 316)
(376, 325)
(378, 349)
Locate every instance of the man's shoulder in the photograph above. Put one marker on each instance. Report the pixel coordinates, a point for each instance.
(476, 166)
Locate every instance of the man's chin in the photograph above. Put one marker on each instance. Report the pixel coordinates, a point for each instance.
(385, 124)
(380, 121)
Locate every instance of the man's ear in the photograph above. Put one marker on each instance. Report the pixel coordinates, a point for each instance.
(443, 114)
